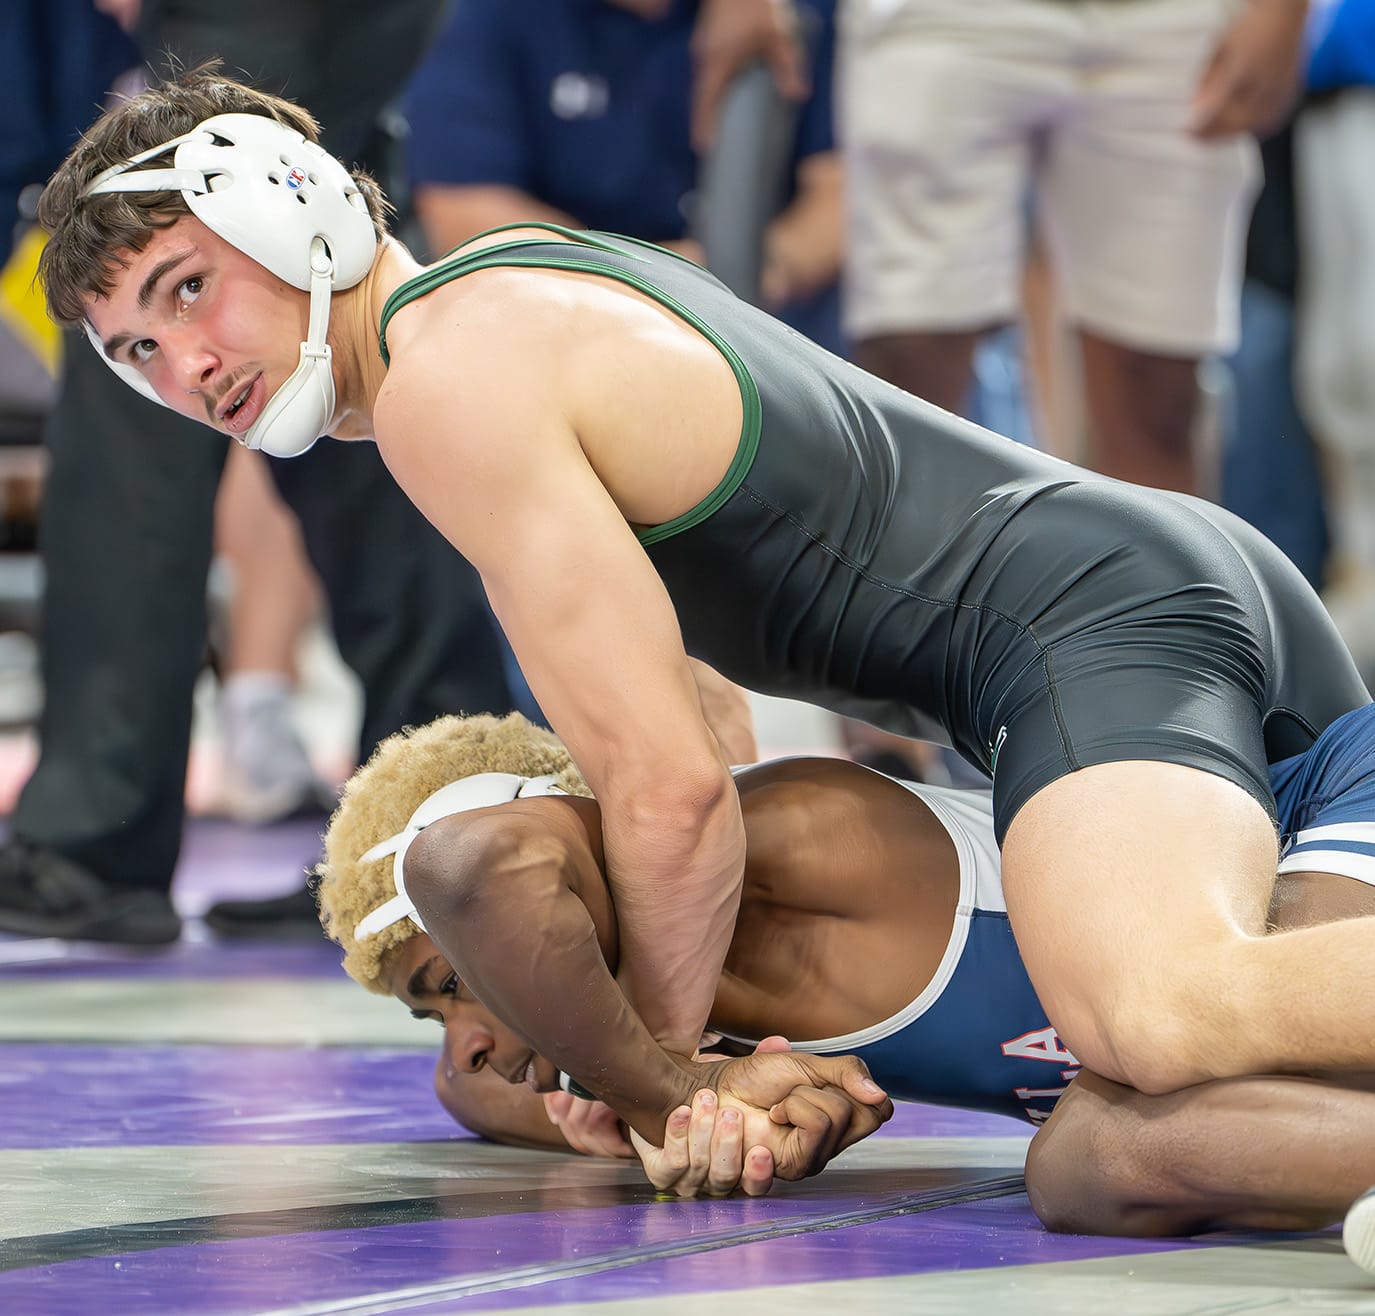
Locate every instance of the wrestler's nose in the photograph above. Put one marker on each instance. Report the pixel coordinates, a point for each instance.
(469, 1043)
(193, 364)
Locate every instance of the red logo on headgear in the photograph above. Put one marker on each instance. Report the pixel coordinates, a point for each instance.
(295, 178)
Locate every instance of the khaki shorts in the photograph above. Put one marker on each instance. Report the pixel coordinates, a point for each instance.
(955, 113)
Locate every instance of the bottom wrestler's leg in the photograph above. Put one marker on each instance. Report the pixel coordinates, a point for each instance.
(1239, 1153)
(1138, 892)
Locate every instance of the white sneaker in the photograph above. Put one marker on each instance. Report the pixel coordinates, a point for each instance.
(267, 772)
(1358, 1233)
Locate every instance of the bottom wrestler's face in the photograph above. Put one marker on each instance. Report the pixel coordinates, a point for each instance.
(420, 977)
(213, 332)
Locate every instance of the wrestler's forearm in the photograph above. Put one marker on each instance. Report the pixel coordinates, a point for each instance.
(526, 946)
(1248, 1153)
(676, 881)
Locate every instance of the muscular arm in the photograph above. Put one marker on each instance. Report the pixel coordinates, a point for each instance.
(475, 884)
(507, 482)
(1244, 1153)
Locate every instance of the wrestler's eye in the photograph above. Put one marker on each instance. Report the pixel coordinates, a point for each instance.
(189, 289)
(142, 351)
(450, 986)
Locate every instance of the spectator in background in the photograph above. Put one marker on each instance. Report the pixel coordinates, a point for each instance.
(1270, 470)
(582, 115)
(1130, 123)
(1335, 185)
(58, 58)
(266, 773)
(127, 526)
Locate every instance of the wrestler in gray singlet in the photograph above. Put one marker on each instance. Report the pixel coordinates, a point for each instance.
(872, 553)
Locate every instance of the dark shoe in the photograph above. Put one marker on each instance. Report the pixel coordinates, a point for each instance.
(292, 917)
(45, 894)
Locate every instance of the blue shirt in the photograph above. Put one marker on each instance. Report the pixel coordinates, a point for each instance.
(1341, 35)
(58, 58)
(586, 107)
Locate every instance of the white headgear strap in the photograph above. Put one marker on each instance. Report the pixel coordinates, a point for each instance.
(288, 204)
(476, 792)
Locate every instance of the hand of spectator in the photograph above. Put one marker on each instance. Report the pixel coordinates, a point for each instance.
(688, 249)
(589, 1127)
(124, 12)
(1254, 73)
(727, 36)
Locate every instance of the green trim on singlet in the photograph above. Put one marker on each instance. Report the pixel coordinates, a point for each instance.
(455, 265)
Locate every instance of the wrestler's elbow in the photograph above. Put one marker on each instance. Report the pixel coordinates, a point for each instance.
(679, 823)
(1094, 1169)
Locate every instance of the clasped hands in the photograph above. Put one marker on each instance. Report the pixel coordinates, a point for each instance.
(774, 1114)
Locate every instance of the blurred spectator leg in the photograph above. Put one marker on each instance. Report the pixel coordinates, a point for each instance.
(267, 773)
(1336, 342)
(130, 486)
(1270, 474)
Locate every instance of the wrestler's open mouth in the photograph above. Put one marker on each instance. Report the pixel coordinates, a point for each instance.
(243, 406)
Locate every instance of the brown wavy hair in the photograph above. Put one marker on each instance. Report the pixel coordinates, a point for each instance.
(90, 236)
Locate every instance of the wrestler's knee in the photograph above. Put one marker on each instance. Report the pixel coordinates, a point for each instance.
(1150, 1035)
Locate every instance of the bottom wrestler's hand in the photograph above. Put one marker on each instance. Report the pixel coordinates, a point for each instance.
(589, 1127)
(704, 1153)
(794, 1112)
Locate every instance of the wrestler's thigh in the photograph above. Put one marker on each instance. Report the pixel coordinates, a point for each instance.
(1131, 886)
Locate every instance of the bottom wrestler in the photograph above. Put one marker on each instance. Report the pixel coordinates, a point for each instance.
(872, 922)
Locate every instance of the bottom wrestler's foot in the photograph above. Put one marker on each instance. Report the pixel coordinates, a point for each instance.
(1358, 1234)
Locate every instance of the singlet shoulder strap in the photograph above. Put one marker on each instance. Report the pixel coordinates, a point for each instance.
(564, 254)
(460, 261)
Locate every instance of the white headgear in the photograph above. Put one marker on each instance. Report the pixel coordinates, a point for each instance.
(292, 207)
(477, 792)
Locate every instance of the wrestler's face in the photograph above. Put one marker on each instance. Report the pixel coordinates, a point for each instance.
(419, 976)
(211, 330)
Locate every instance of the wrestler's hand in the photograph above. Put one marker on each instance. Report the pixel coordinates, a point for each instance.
(729, 34)
(1254, 73)
(704, 1153)
(701, 1151)
(803, 1109)
(589, 1127)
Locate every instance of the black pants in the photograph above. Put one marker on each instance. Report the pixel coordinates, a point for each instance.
(128, 516)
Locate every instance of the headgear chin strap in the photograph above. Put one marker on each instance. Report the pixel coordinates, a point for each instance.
(477, 792)
(288, 204)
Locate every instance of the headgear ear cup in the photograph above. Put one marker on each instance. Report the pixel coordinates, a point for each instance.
(286, 203)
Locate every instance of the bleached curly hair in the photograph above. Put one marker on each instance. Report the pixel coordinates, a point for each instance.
(380, 797)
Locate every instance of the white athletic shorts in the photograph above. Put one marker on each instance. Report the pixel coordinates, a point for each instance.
(953, 113)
